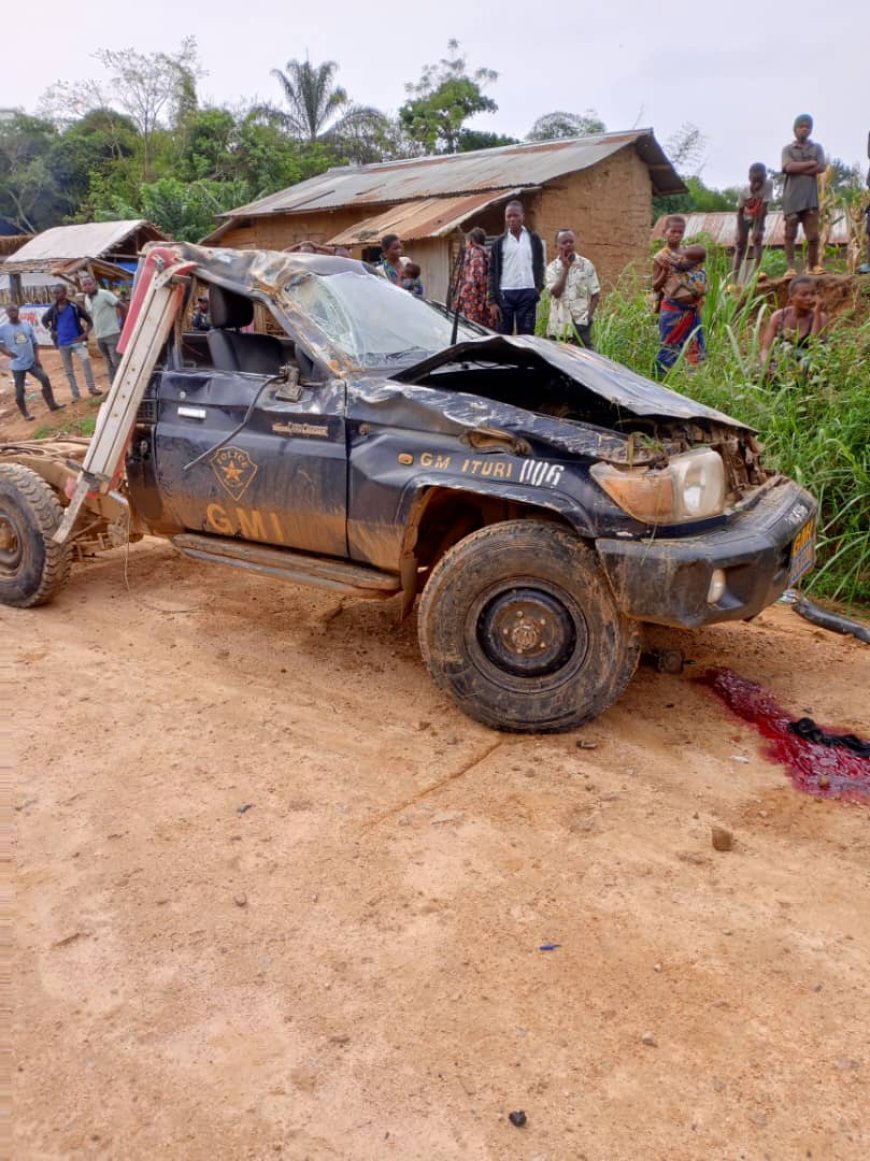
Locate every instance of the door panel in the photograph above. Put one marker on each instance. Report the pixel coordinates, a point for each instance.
(281, 480)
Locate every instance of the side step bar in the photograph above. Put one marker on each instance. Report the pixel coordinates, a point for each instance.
(352, 579)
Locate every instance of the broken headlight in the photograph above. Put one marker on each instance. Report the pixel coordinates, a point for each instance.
(691, 487)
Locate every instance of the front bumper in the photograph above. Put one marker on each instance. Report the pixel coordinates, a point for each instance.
(668, 581)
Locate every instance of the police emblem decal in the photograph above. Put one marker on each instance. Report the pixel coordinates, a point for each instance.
(234, 469)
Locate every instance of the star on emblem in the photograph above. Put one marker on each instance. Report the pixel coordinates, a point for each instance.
(234, 470)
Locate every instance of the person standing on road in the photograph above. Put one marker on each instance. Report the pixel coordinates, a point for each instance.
(108, 313)
(516, 274)
(802, 162)
(69, 326)
(575, 292)
(18, 341)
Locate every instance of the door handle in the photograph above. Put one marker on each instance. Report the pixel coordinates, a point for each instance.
(192, 412)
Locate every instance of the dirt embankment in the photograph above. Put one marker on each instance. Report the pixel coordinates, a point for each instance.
(844, 296)
(276, 897)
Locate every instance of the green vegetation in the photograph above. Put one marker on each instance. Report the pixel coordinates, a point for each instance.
(445, 97)
(812, 417)
(135, 141)
(82, 425)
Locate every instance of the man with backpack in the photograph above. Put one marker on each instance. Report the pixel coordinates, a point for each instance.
(69, 326)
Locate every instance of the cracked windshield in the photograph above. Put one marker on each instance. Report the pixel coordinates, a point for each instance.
(370, 322)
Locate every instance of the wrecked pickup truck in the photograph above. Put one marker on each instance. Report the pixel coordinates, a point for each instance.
(330, 430)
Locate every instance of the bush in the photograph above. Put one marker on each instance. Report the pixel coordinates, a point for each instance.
(813, 418)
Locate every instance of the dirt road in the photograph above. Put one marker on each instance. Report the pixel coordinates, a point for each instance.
(14, 426)
(276, 897)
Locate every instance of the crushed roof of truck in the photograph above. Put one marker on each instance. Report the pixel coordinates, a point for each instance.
(269, 276)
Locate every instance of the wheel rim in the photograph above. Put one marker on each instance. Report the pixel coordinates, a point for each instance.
(11, 544)
(530, 631)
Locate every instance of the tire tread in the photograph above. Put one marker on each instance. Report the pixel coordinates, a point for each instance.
(529, 534)
(47, 512)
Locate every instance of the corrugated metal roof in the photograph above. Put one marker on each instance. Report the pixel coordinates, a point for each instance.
(429, 218)
(72, 243)
(448, 175)
(722, 228)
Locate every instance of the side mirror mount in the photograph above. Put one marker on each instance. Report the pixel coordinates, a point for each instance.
(290, 390)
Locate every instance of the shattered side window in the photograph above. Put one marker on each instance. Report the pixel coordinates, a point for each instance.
(369, 321)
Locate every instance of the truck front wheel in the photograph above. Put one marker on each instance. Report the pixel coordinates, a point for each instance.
(518, 623)
(33, 567)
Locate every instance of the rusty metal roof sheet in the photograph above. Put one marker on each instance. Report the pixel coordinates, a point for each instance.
(63, 245)
(722, 228)
(448, 175)
(428, 218)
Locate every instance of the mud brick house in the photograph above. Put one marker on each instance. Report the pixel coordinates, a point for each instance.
(602, 187)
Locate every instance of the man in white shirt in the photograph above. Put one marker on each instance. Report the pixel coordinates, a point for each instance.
(516, 275)
(574, 293)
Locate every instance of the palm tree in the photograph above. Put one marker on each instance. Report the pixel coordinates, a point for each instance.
(318, 108)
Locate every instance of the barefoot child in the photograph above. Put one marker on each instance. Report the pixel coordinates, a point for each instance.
(751, 213)
(802, 162)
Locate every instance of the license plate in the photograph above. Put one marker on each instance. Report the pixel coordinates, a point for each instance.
(803, 553)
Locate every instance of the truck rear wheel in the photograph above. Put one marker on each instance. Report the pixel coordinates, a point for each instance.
(33, 567)
(518, 623)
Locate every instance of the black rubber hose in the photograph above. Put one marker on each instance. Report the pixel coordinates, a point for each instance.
(832, 621)
(226, 439)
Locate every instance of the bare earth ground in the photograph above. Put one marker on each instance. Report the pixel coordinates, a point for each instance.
(351, 967)
(12, 423)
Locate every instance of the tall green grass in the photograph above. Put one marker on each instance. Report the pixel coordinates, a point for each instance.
(813, 418)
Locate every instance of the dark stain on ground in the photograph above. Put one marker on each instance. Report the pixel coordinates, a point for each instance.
(825, 771)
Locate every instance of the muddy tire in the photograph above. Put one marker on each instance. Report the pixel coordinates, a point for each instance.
(33, 568)
(518, 623)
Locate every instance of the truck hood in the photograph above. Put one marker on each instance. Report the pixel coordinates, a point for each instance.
(610, 381)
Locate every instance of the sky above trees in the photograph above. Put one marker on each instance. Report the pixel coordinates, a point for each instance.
(741, 77)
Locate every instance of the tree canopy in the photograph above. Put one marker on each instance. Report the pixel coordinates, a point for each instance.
(558, 125)
(445, 97)
(137, 141)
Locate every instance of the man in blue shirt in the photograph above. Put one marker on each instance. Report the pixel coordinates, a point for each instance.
(69, 326)
(18, 341)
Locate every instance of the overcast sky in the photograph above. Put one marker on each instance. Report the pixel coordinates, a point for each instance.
(740, 75)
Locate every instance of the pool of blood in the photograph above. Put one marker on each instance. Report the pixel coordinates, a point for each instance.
(823, 771)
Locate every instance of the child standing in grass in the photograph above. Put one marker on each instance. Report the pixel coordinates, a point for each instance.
(802, 162)
(682, 291)
(665, 259)
(751, 213)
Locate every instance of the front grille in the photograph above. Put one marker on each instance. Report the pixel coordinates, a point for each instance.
(147, 412)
